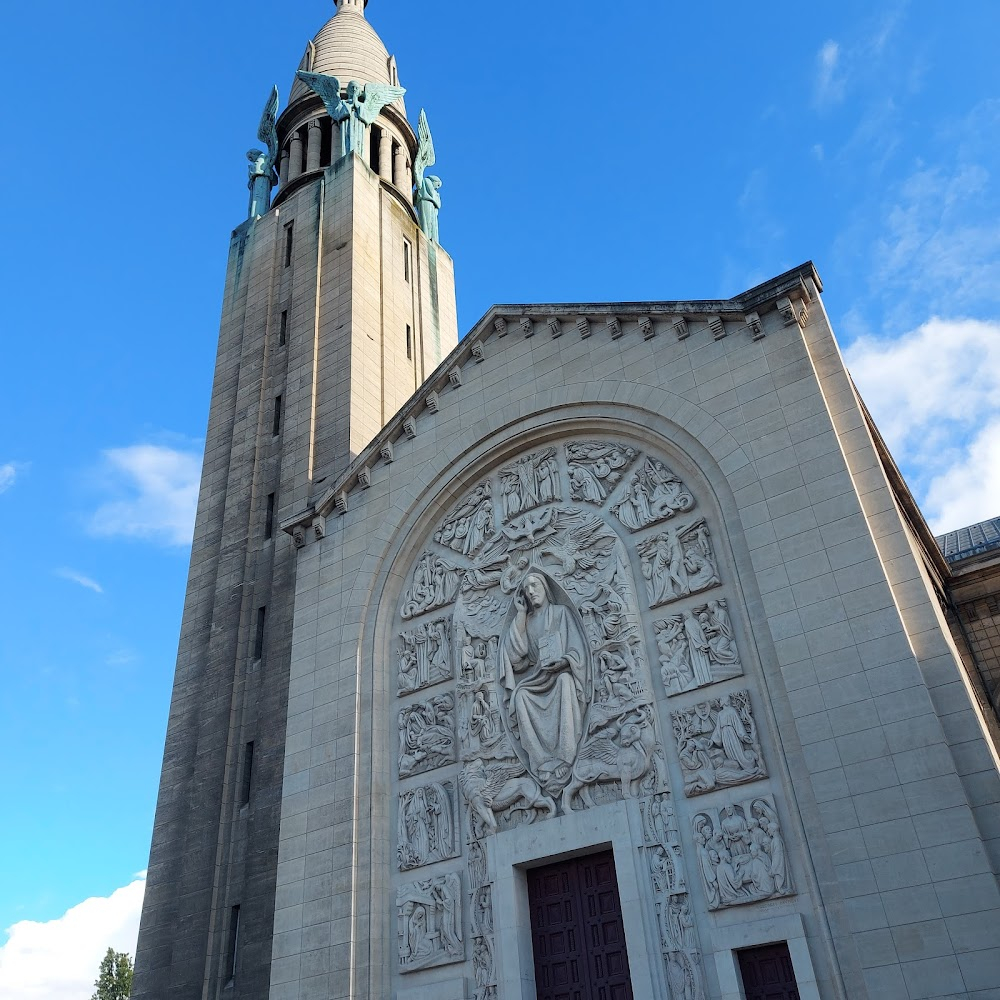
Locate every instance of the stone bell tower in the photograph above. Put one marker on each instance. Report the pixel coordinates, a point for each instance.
(339, 302)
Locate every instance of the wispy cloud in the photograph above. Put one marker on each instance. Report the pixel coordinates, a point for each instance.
(59, 959)
(9, 472)
(155, 491)
(84, 581)
(935, 395)
(830, 83)
(840, 67)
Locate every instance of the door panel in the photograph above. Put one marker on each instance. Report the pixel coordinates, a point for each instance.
(577, 933)
(767, 973)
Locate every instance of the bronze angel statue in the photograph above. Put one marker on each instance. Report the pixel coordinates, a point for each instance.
(263, 176)
(426, 186)
(355, 112)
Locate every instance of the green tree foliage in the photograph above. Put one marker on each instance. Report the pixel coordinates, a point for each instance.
(114, 982)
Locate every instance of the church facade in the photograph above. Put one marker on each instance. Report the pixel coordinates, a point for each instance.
(602, 653)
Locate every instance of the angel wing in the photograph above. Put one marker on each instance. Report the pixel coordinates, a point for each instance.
(425, 149)
(266, 131)
(328, 88)
(376, 97)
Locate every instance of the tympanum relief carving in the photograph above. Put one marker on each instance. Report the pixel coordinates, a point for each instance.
(741, 853)
(717, 744)
(653, 494)
(697, 648)
(471, 524)
(429, 923)
(435, 584)
(426, 735)
(530, 481)
(425, 656)
(556, 702)
(550, 708)
(669, 894)
(595, 468)
(428, 825)
(677, 562)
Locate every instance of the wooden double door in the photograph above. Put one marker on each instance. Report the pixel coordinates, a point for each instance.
(577, 934)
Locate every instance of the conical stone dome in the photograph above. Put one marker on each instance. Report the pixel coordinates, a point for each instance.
(349, 48)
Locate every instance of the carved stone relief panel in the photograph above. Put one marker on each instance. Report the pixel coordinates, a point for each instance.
(426, 735)
(470, 525)
(674, 921)
(654, 493)
(435, 584)
(741, 853)
(529, 482)
(556, 706)
(483, 924)
(425, 656)
(429, 923)
(677, 562)
(534, 619)
(428, 825)
(697, 648)
(717, 744)
(596, 468)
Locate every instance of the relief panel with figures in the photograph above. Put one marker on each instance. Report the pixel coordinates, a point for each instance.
(545, 642)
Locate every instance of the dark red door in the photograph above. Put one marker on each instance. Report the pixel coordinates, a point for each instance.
(767, 973)
(576, 930)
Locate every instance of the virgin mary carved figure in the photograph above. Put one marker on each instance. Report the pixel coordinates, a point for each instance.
(544, 670)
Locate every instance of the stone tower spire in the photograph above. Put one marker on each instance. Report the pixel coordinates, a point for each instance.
(337, 307)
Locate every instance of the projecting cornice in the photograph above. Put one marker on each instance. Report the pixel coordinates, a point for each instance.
(789, 295)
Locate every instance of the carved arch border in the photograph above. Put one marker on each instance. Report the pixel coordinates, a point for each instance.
(657, 419)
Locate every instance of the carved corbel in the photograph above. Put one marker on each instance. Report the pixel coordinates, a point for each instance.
(340, 502)
(527, 327)
(614, 327)
(299, 536)
(755, 326)
(319, 527)
(478, 352)
(555, 327)
(717, 327)
(410, 428)
(365, 478)
(583, 325)
(500, 325)
(646, 327)
(433, 402)
(455, 377)
(793, 312)
(386, 451)
(681, 328)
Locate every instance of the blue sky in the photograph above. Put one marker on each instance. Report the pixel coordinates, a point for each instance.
(703, 147)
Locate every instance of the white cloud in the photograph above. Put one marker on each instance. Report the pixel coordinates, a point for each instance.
(968, 491)
(75, 577)
(8, 475)
(829, 84)
(935, 395)
(59, 959)
(156, 491)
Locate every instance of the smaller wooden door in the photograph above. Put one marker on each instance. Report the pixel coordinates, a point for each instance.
(767, 973)
(577, 934)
